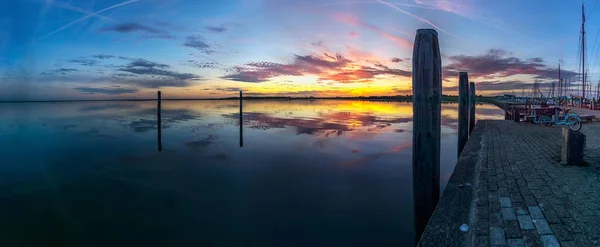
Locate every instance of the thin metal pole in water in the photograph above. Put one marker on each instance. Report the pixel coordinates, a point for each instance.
(158, 122)
(463, 110)
(241, 122)
(472, 98)
(427, 97)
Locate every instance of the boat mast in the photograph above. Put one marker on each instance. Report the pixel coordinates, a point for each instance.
(583, 51)
(559, 81)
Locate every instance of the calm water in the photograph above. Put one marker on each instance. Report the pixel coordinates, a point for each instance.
(320, 173)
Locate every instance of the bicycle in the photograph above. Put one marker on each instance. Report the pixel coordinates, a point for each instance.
(572, 120)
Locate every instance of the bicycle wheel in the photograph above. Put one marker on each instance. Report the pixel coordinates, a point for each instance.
(574, 123)
(546, 121)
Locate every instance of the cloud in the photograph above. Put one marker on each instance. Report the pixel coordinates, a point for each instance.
(396, 60)
(130, 28)
(84, 61)
(145, 67)
(62, 71)
(357, 22)
(103, 56)
(229, 89)
(201, 65)
(354, 34)
(137, 71)
(113, 91)
(159, 36)
(497, 63)
(263, 71)
(198, 43)
(327, 67)
(365, 74)
(145, 63)
(216, 29)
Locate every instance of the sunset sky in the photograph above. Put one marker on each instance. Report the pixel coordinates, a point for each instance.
(114, 49)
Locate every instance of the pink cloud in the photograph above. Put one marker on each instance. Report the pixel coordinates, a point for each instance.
(354, 34)
(348, 19)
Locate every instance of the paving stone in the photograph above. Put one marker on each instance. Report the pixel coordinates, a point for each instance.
(520, 208)
(482, 227)
(512, 229)
(496, 220)
(505, 202)
(531, 238)
(549, 241)
(494, 206)
(497, 236)
(482, 212)
(542, 227)
(515, 242)
(482, 241)
(508, 214)
(552, 217)
(535, 212)
(525, 222)
(530, 201)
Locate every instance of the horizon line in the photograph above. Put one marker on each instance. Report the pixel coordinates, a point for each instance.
(227, 98)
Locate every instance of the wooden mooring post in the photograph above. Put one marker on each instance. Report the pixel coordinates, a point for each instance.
(573, 144)
(427, 97)
(463, 110)
(241, 122)
(472, 98)
(159, 122)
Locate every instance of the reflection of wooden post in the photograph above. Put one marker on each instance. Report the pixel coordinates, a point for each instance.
(427, 96)
(471, 107)
(241, 122)
(463, 110)
(158, 122)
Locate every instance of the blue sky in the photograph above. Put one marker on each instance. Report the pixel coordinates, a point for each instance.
(111, 49)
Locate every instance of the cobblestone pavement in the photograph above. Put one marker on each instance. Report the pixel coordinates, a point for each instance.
(524, 197)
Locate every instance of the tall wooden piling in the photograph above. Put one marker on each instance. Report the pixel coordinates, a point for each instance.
(472, 98)
(159, 122)
(241, 122)
(463, 110)
(427, 96)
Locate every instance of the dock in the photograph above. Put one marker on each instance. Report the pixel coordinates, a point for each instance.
(509, 189)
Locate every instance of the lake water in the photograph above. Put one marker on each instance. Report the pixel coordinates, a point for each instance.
(310, 173)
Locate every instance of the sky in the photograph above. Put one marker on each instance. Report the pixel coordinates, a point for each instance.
(130, 49)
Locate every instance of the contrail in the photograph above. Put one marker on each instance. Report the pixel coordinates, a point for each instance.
(367, 2)
(416, 17)
(80, 10)
(88, 16)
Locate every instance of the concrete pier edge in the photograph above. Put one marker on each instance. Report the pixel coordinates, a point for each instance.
(457, 201)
